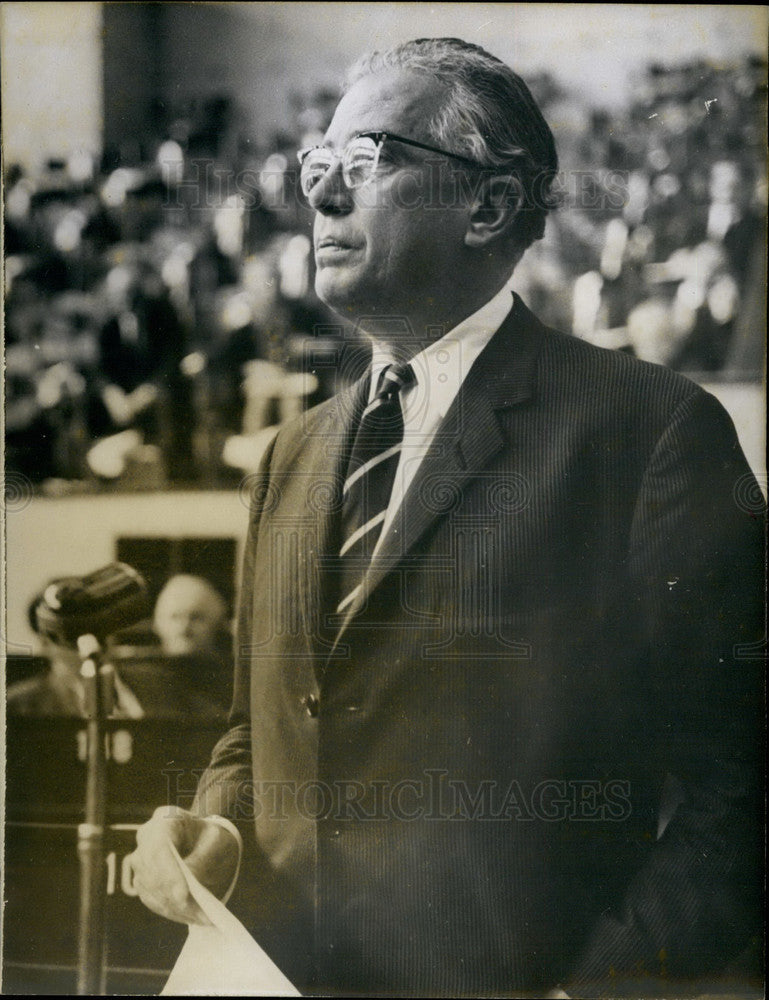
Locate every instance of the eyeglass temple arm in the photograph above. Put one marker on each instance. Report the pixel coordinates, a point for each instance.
(382, 136)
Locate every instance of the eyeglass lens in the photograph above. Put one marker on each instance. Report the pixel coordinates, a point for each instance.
(359, 161)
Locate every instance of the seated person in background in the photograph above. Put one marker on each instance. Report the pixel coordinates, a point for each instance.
(191, 622)
(192, 676)
(187, 678)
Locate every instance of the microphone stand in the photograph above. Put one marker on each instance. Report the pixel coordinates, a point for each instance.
(99, 683)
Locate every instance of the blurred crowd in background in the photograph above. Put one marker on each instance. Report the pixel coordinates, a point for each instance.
(159, 311)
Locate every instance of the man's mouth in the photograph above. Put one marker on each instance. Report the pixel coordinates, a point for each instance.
(334, 243)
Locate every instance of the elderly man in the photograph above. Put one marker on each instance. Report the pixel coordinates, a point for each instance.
(190, 616)
(496, 594)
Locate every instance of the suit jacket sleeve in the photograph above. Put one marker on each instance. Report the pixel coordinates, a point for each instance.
(695, 565)
(226, 788)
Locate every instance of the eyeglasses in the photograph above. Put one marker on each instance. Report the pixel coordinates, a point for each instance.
(359, 159)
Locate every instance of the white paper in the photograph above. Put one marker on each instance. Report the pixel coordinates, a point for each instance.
(223, 959)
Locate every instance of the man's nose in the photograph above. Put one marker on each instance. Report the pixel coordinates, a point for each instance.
(331, 196)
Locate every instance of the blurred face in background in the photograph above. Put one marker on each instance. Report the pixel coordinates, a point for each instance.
(189, 616)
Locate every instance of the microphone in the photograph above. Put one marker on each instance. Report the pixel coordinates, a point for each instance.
(98, 604)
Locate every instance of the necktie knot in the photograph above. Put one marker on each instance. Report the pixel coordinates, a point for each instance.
(392, 379)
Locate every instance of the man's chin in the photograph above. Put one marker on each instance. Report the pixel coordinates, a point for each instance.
(180, 649)
(337, 288)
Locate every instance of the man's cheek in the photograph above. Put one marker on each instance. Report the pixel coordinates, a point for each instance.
(407, 193)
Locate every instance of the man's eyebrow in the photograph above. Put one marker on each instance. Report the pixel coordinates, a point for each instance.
(358, 134)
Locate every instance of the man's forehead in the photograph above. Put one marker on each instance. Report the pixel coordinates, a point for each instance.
(187, 593)
(397, 100)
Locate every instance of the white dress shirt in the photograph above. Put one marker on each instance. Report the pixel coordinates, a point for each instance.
(440, 370)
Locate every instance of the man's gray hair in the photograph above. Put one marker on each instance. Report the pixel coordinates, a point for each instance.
(489, 116)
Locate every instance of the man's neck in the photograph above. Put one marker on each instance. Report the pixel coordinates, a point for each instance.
(403, 337)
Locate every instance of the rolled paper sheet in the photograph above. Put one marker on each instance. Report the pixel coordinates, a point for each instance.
(222, 959)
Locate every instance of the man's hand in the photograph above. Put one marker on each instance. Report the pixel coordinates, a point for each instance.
(208, 849)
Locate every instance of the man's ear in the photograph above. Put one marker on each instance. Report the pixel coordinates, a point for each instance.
(495, 208)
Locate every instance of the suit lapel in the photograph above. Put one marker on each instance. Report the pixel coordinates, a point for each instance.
(503, 376)
(313, 490)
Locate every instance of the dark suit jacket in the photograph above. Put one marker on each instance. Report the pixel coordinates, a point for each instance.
(459, 794)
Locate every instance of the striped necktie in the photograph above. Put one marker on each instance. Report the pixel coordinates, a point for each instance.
(370, 475)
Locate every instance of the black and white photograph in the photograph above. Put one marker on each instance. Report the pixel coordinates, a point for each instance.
(384, 509)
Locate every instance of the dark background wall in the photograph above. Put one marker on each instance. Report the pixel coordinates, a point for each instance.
(133, 58)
